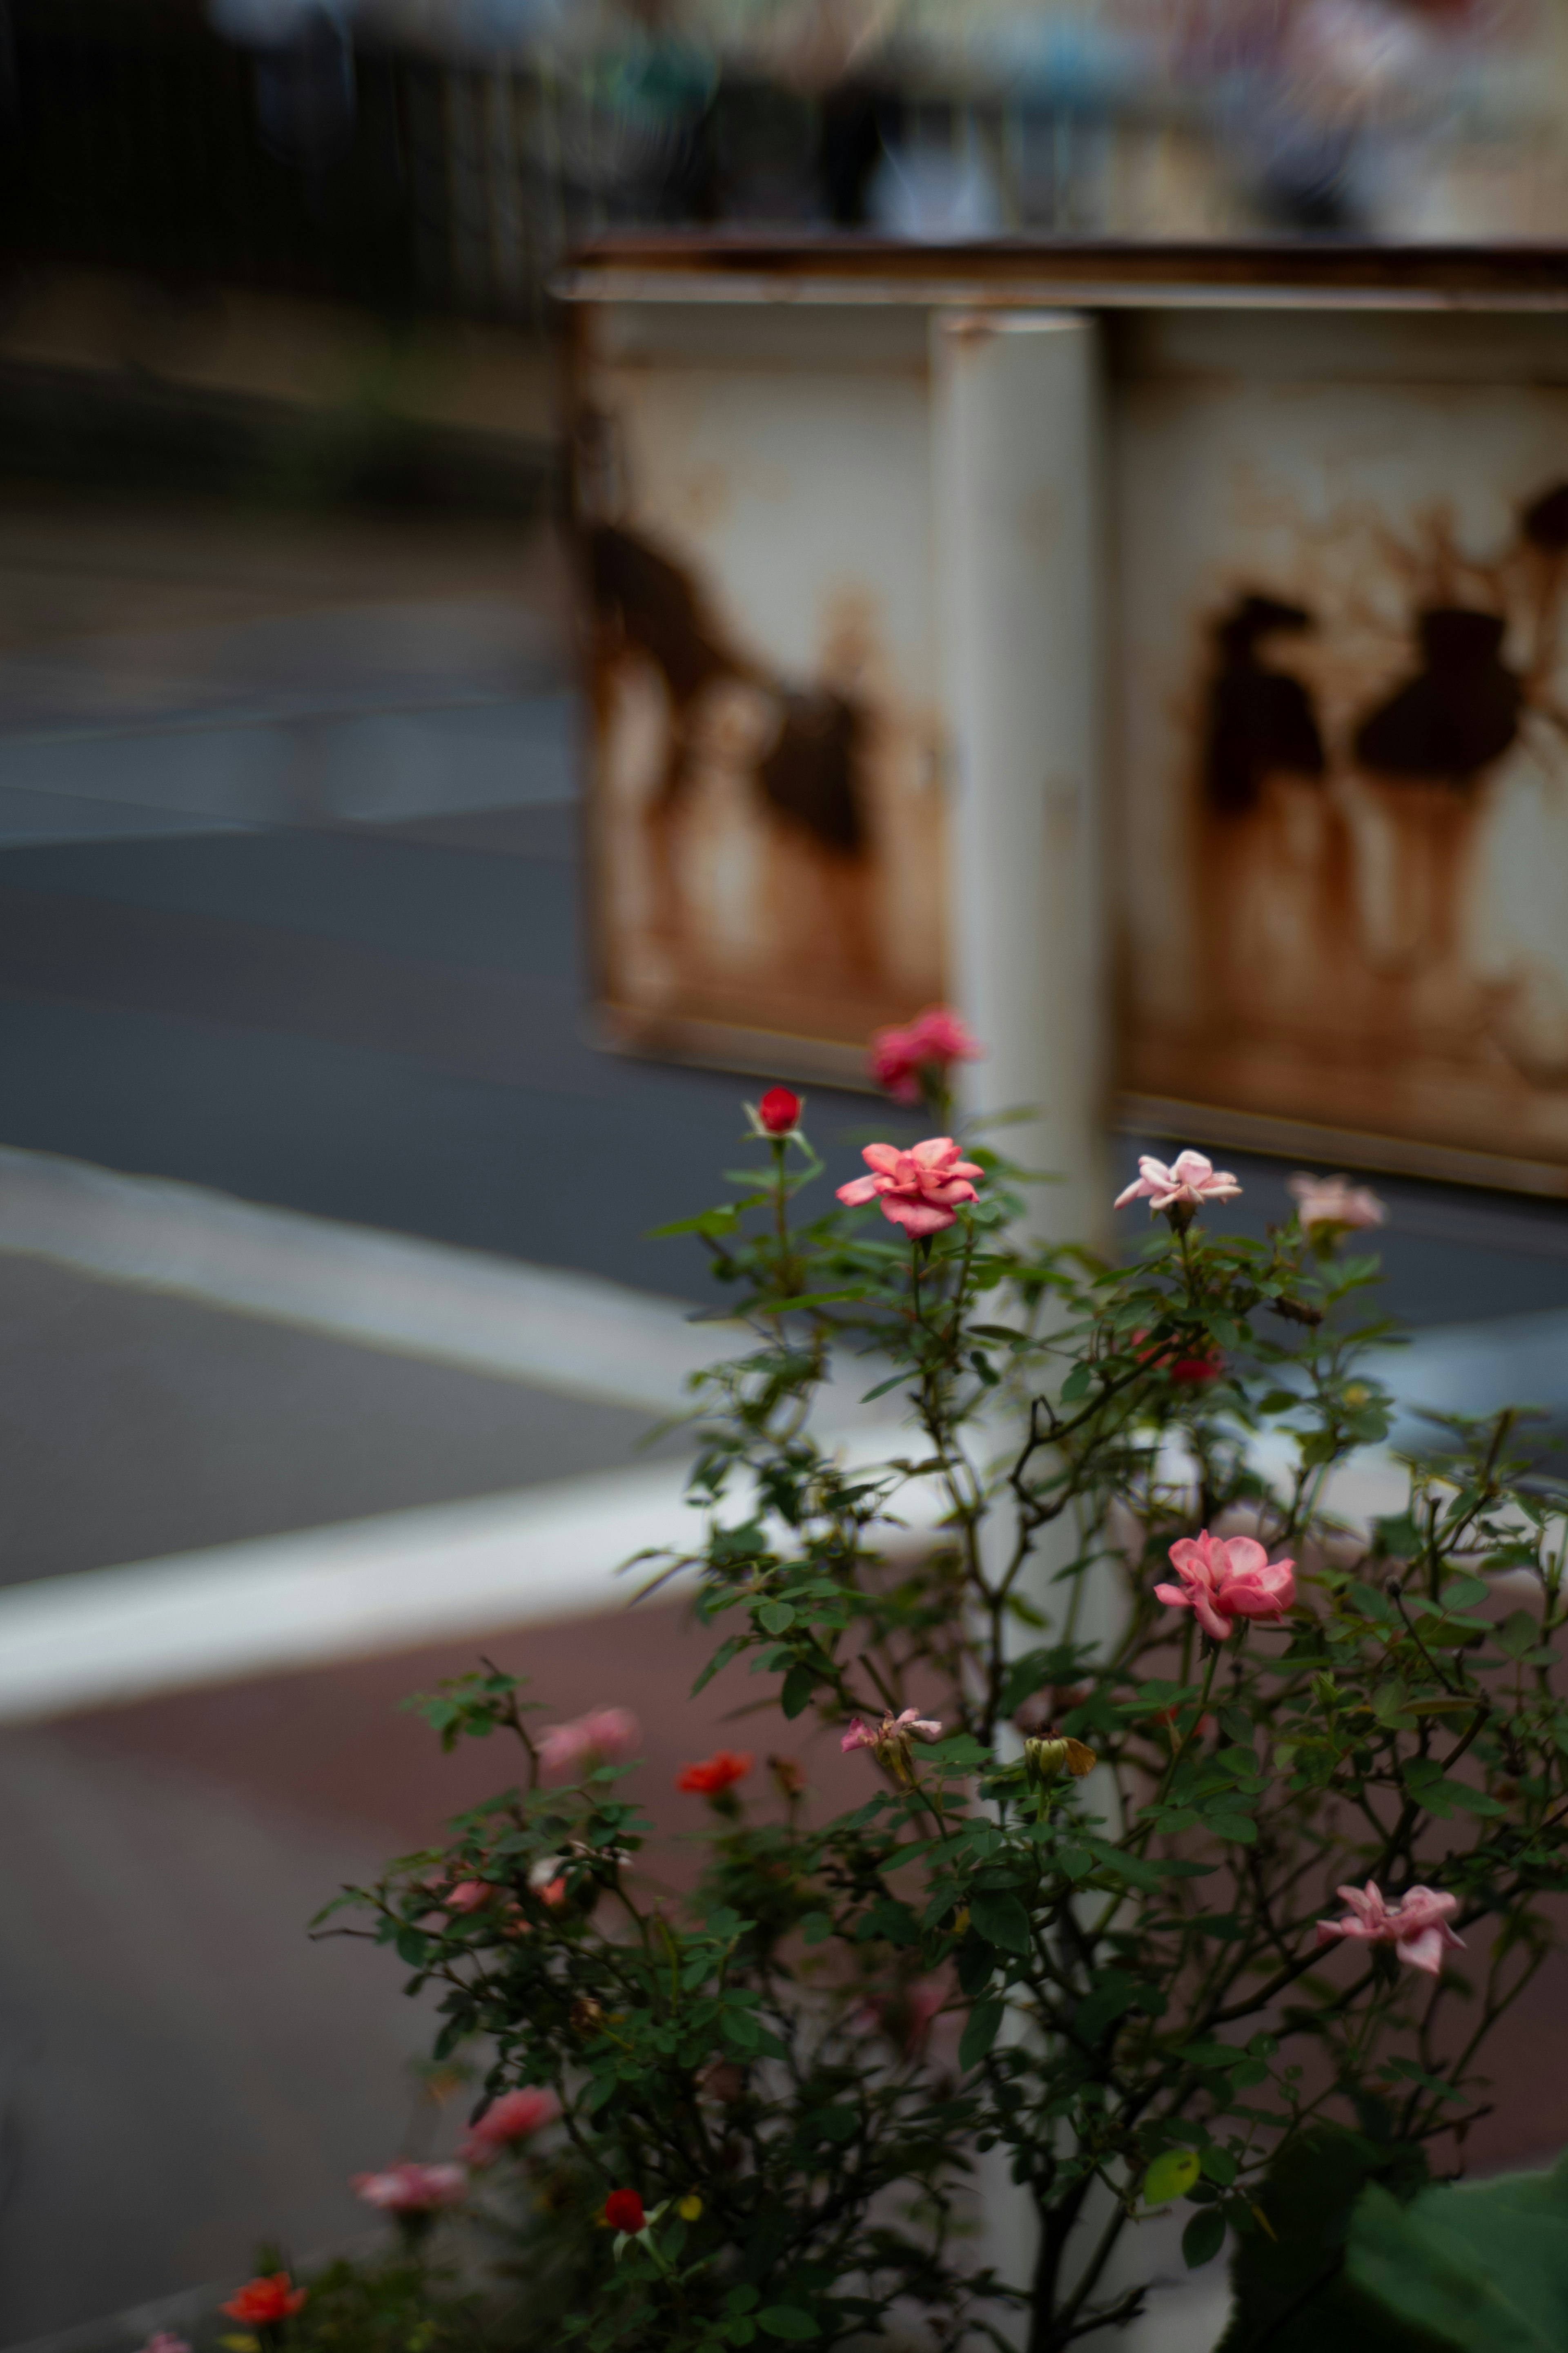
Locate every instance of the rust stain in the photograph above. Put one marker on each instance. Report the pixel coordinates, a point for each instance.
(1459, 711)
(1261, 720)
(747, 869)
(1349, 742)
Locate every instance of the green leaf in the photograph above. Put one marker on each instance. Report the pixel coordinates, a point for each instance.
(882, 1388)
(1518, 1633)
(1236, 1828)
(1130, 1867)
(816, 1928)
(1170, 2175)
(794, 1697)
(1483, 2267)
(1203, 2238)
(1076, 1384)
(720, 1659)
(1001, 1920)
(981, 2029)
(776, 1615)
(787, 2320)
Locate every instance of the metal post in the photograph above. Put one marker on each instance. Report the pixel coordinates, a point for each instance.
(1020, 536)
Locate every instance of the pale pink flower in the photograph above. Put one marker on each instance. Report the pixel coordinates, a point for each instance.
(933, 1040)
(918, 1190)
(1417, 1927)
(894, 1731)
(513, 2118)
(1334, 1201)
(1191, 1179)
(165, 2340)
(603, 1737)
(1224, 1579)
(410, 2189)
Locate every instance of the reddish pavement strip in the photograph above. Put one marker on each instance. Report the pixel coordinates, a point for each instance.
(184, 2073)
(339, 1742)
(181, 2071)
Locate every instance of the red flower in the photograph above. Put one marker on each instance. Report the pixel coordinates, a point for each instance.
(715, 1774)
(1203, 1361)
(623, 2211)
(262, 2303)
(779, 1111)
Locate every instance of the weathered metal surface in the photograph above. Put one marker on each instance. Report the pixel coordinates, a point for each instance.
(767, 743)
(1345, 767)
(1336, 646)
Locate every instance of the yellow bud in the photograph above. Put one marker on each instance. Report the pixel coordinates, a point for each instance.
(1047, 1757)
(961, 1921)
(690, 2207)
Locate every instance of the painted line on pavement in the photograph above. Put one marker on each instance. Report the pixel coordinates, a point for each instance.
(576, 1334)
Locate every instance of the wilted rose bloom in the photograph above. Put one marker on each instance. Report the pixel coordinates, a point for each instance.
(263, 2302)
(624, 2211)
(515, 2116)
(933, 1041)
(778, 1114)
(1417, 1927)
(603, 1737)
(1191, 1179)
(715, 1774)
(1224, 1579)
(918, 1190)
(889, 1742)
(407, 2187)
(1334, 1201)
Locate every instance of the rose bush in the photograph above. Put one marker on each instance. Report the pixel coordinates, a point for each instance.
(1139, 1717)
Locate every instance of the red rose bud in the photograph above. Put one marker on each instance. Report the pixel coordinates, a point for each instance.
(779, 1111)
(624, 2211)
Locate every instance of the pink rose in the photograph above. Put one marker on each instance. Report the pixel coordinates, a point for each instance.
(469, 1895)
(410, 2189)
(933, 1041)
(1191, 1179)
(1334, 1201)
(918, 1190)
(513, 2118)
(1418, 1926)
(603, 1737)
(1226, 1578)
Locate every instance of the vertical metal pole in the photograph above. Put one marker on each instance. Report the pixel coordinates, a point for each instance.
(1020, 567)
